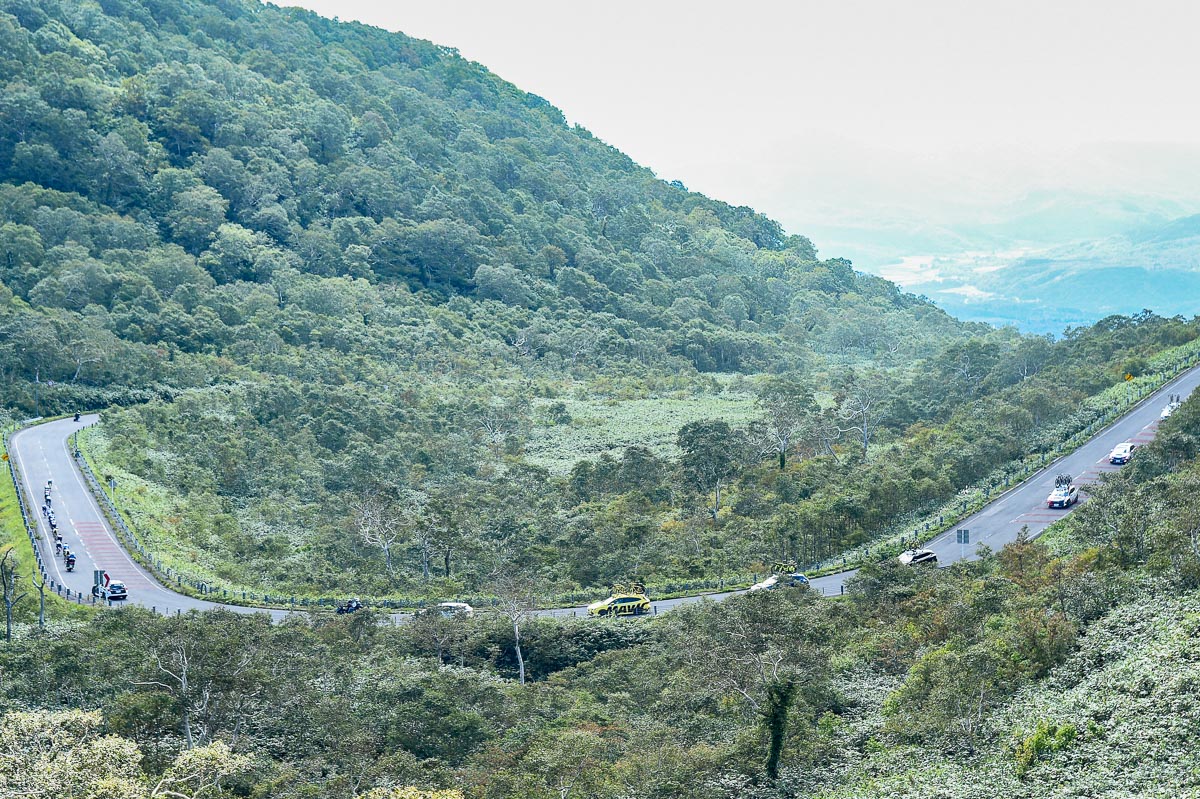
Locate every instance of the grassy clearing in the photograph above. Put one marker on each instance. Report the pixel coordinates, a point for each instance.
(146, 507)
(608, 426)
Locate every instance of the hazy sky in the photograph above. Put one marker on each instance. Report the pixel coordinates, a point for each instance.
(815, 112)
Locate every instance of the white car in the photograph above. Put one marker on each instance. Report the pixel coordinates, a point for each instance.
(1122, 452)
(1063, 496)
(780, 581)
(453, 609)
(918, 557)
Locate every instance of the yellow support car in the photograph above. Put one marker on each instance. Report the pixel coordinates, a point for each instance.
(621, 604)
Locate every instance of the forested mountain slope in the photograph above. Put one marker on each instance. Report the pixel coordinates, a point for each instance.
(333, 272)
(234, 179)
(328, 281)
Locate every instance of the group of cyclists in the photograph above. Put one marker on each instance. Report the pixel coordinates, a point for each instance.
(60, 548)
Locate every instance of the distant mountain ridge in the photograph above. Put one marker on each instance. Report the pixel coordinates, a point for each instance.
(1152, 266)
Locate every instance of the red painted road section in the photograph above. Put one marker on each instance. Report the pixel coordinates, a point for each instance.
(108, 555)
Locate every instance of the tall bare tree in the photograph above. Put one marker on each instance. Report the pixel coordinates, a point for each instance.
(516, 603)
(211, 666)
(447, 521)
(40, 585)
(786, 404)
(862, 404)
(751, 654)
(379, 522)
(8, 582)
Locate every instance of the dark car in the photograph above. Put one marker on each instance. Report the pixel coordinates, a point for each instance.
(115, 590)
(794, 580)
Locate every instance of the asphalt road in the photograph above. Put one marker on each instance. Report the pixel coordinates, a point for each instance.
(41, 454)
(1024, 505)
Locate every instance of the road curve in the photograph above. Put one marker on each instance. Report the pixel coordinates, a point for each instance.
(41, 453)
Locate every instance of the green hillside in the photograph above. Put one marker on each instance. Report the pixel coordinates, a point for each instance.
(363, 319)
(330, 271)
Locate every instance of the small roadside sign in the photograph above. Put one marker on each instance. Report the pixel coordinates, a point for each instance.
(963, 535)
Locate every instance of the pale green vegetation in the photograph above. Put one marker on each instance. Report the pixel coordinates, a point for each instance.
(599, 427)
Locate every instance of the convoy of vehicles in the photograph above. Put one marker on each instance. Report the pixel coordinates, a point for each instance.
(918, 557)
(631, 599)
(1122, 452)
(626, 600)
(1065, 493)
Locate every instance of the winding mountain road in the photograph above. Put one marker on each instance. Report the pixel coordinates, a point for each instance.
(41, 453)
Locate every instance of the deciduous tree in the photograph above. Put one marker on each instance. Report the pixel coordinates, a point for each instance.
(711, 454)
